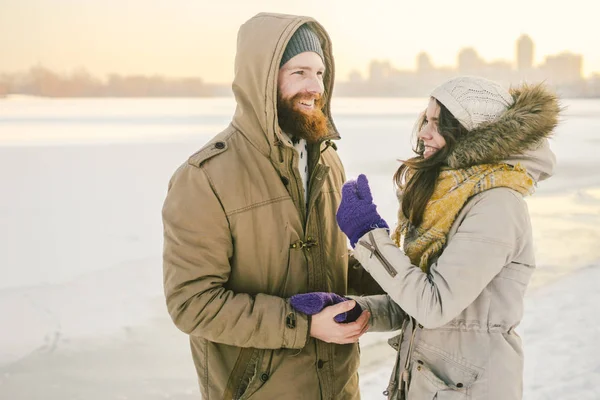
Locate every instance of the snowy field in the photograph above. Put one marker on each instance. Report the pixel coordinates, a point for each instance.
(81, 309)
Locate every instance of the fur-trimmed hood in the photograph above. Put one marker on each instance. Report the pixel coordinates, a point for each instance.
(520, 135)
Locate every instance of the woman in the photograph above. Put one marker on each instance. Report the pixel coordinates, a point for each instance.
(455, 284)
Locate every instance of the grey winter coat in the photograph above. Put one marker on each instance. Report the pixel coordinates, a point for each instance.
(458, 338)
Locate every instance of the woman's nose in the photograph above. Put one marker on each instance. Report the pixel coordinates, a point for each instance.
(424, 134)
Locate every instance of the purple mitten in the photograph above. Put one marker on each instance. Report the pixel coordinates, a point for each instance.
(349, 316)
(312, 303)
(357, 214)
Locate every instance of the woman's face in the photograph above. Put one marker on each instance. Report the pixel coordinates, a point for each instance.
(429, 133)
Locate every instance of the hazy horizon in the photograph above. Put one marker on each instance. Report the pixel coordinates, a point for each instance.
(176, 39)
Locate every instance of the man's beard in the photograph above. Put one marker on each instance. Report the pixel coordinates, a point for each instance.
(311, 126)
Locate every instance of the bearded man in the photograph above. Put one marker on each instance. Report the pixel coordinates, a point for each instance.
(249, 221)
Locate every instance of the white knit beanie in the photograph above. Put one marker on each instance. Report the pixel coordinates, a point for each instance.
(473, 100)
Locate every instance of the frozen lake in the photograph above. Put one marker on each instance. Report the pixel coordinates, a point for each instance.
(83, 181)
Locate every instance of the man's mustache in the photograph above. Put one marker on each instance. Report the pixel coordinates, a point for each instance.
(307, 96)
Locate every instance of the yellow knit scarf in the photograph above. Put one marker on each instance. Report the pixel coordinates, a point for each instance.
(453, 189)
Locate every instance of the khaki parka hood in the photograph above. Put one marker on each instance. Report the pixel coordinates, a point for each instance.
(520, 135)
(260, 46)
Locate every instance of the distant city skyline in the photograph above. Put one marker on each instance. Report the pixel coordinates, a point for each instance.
(186, 38)
(562, 71)
(563, 67)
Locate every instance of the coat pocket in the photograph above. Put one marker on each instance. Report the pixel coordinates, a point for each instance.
(255, 374)
(426, 385)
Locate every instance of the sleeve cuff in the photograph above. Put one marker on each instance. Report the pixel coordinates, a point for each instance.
(296, 329)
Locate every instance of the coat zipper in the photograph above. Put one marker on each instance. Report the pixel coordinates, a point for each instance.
(375, 250)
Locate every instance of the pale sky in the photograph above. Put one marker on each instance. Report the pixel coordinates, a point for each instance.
(196, 38)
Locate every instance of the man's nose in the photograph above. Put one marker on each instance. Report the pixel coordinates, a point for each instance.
(315, 86)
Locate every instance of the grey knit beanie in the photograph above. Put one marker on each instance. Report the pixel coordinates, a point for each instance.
(304, 39)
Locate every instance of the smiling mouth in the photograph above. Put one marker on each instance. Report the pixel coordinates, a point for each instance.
(430, 150)
(307, 103)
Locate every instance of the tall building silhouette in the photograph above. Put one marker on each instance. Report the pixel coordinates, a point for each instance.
(469, 62)
(563, 69)
(424, 64)
(525, 49)
(380, 71)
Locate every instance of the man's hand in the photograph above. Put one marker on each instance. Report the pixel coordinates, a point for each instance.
(324, 328)
(314, 302)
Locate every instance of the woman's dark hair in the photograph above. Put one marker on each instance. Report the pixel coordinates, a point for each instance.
(419, 188)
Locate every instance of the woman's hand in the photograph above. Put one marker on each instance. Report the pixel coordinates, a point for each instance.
(357, 213)
(313, 302)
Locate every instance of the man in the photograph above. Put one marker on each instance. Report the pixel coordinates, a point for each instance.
(249, 221)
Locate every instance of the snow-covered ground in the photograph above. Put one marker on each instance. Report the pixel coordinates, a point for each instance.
(82, 314)
(151, 361)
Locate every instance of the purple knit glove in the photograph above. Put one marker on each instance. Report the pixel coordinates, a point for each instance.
(312, 303)
(357, 214)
